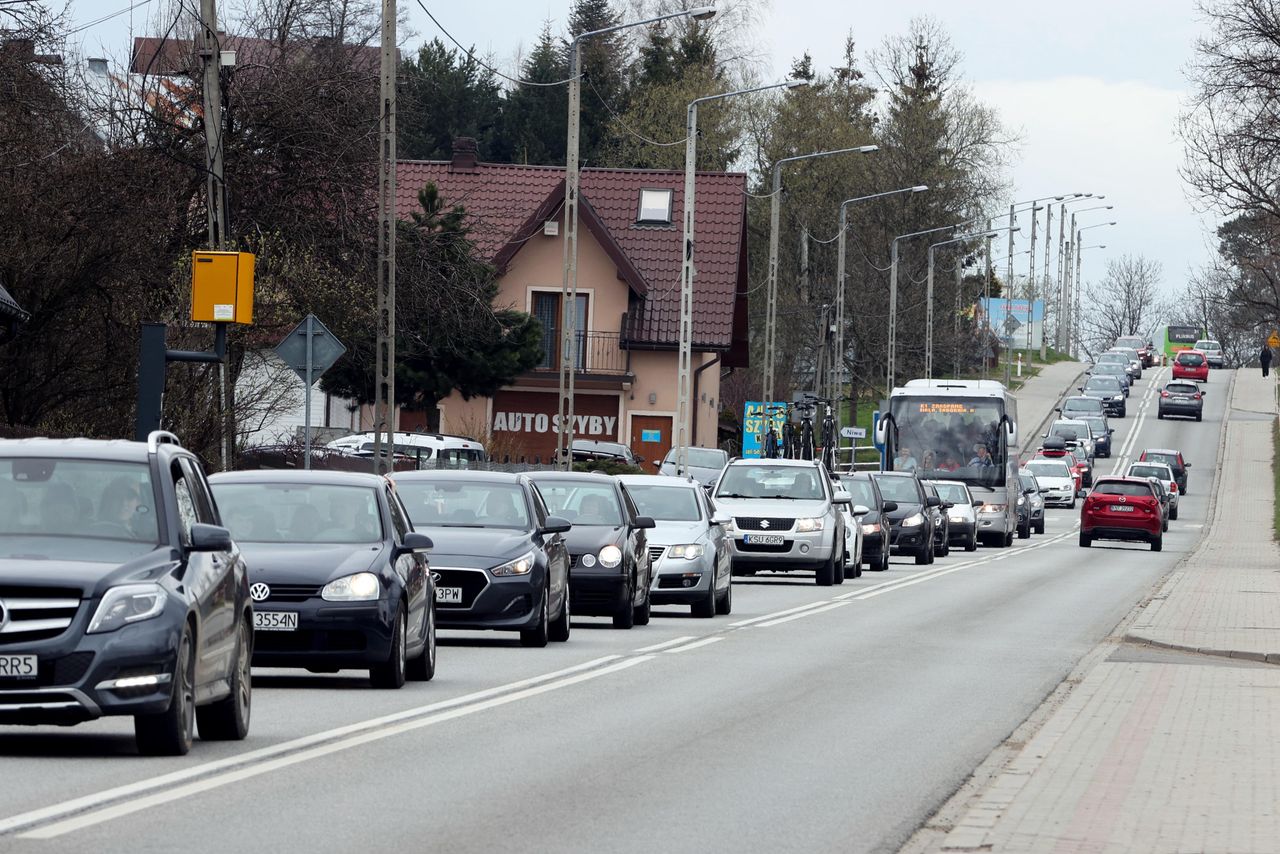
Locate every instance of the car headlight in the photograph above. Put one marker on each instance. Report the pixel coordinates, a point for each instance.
(128, 603)
(361, 587)
(994, 508)
(688, 551)
(1021, 501)
(913, 520)
(809, 525)
(522, 565)
(871, 528)
(610, 556)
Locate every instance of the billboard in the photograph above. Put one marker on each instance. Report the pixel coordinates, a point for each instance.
(754, 418)
(1018, 323)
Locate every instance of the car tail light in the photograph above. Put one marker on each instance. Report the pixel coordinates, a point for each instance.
(1173, 487)
(1166, 394)
(1197, 395)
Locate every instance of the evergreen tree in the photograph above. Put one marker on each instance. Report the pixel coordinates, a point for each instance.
(603, 60)
(535, 116)
(448, 94)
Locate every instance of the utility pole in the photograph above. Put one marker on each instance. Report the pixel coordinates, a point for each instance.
(1031, 286)
(986, 305)
(1048, 242)
(955, 326)
(1062, 341)
(215, 194)
(1008, 356)
(385, 367)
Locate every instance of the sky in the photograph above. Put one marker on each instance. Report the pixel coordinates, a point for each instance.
(1093, 89)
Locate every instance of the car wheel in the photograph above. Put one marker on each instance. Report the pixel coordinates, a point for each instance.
(1072, 505)
(169, 733)
(423, 668)
(971, 545)
(625, 617)
(724, 602)
(391, 673)
(1159, 414)
(1008, 540)
(560, 626)
(883, 564)
(826, 572)
(541, 632)
(838, 576)
(1173, 514)
(1158, 543)
(1040, 527)
(923, 555)
(706, 608)
(1085, 540)
(1198, 416)
(645, 609)
(228, 719)
(1024, 531)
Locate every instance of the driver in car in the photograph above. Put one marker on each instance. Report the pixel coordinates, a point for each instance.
(595, 510)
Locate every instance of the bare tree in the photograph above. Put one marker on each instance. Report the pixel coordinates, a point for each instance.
(1126, 302)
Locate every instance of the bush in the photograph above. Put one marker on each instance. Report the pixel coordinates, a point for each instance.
(607, 467)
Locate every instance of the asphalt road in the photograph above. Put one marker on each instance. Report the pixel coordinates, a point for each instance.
(812, 719)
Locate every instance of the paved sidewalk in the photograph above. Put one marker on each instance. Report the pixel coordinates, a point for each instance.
(1165, 749)
(1041, 394)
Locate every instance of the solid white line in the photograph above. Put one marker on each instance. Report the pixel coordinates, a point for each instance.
(665, 644)
(830, 606)
(128, 808)
(696, 644)
(140, 787)
(741, 623)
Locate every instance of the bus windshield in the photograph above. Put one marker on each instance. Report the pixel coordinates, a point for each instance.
(950, 438)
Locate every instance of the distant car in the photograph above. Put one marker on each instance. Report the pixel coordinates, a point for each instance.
(338, 576)
(1171, 458)
(705, 464)
(1074, 430)
(863, 491)
(1114, 369)
(499, 556)
(1135, 361)
(1101, 432)
(688, 548)
(1212, 352)
(1109, 390)
(427, 450)
(1033, 500)
(962, 515)
(1122, 508)
(585, 450)
(1055, 448)
(1056, 480)
(1163, 473)
(1139, 344)
(610, 573)
(941, 521)
(123, 593)
(1074, 407)
(785, 517)
(1084, 465)
(1191, 365)
(1181, 397)
(911, 524)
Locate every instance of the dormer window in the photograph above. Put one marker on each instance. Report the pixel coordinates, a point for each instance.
(655, 207)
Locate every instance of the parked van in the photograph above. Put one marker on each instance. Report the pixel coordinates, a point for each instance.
(431, 450)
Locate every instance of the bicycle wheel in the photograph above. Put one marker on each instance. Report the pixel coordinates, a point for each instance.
(806, 441)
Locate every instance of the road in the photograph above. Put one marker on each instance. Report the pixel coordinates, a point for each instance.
(812, 719)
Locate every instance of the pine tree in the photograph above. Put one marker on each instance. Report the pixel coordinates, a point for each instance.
(603, 59)
(535, 116)
(448, 94)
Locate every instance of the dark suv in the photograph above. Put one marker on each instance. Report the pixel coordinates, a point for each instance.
(120, 592)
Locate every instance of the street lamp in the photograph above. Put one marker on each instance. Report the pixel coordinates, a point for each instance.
(1062, 337)
(569, 289)
(1075, 280)
(840, 280)
(928, 323)
(771, 308)
(684, 383)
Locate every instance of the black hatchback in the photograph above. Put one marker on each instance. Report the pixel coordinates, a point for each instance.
(610, 572)
(337, 574)
(875, 525)
(499, 558)
(911, 523)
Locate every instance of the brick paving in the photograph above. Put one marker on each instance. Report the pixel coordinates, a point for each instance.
(1168, 756)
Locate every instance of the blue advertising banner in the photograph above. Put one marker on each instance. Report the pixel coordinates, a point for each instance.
(1019, 323)
(754, 419)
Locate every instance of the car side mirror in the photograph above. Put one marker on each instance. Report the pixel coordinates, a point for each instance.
(947, 505)
(721, 519)
(657, 464)
(1186, 465)
(841, 497)
(1079, 388)
(932, 501)
(1028, 491)
(977, 503)
(555, 525)
(859, 510)
(415, 542)
(645, 522)
(890, 506)
(210, 538)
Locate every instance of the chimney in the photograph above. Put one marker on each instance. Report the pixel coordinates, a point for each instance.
(464, 155)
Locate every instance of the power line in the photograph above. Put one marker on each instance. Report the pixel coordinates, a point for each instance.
(106, 18)
(625, 126)
(471, 54)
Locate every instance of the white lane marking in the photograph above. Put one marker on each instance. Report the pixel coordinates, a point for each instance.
(749, 622)
(829, 606)
(696, 644)
(665, 644)
(80, 822)
(922, 575)
(175, 778)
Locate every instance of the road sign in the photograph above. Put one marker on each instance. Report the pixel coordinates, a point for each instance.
(310, 349)
(1274, 340)
(853, 432)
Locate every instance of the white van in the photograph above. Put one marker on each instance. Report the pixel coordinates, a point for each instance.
(432, 450)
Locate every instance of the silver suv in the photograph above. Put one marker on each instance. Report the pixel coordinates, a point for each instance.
(785, 517)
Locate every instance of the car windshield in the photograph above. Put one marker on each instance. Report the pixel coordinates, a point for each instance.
(1028, 482)
(69, 509)
(1207, 345)
(1170, 460)
(666, 503)
(1096, 424)
(900, 489)
(1082, 404)
(1181, 388)
(1103, 384)
(766, 481)
(702, 458)
(953, 492)
(1111, 369)
(1120, 487)
(860, 490)
(1192, 359)
(1112, 358)
(1070, 431)
(464, 504)
(1080, 455)
(308, 513)
(583, 503)
(1132, 343)
(1161, 472)
(1048, 468)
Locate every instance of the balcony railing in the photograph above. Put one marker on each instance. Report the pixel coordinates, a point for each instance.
(597, 353)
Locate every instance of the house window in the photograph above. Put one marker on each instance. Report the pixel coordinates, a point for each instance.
(655, 206)
(546, 307)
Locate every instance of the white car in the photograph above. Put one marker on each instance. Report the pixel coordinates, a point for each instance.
(1212, 352)
(1057, 484)
(431, 450)
(853, 539)
(1164, 474)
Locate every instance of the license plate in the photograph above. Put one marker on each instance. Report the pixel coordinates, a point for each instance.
(764, 539)
(1121, 508)
(18, 667)
(275, 621)
(449, 595)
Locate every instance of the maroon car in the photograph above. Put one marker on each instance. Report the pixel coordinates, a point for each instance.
(1122, 508)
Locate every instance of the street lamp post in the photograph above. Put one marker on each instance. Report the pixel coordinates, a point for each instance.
(569, 289)
(928, 322)
(684, 382)
(771, 289)
(1066, 281)
(1075, 282)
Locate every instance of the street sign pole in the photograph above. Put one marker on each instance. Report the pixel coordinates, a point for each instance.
(306, 404)
(310, 349)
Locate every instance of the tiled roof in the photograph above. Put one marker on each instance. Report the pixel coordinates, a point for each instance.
(9, 308)
(507, 204)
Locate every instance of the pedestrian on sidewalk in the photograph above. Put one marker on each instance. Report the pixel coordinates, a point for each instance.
(1265, 358)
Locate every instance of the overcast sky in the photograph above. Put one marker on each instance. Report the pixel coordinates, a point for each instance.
(1093, 88)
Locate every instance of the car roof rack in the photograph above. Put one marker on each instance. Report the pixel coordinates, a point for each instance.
(156, 438)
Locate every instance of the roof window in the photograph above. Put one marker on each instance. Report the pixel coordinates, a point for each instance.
(655, 206)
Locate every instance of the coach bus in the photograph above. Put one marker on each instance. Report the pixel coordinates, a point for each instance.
(964, 430)
(1176, 336)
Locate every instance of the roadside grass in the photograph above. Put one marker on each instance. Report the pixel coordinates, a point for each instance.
(1275, 477)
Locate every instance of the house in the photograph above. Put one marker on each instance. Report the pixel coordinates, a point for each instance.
(628, 300)
(11, 315)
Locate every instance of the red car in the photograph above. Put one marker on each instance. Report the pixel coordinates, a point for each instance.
(1191, 365)
(1122, 508)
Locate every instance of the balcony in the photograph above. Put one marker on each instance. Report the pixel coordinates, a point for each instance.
(599, 354)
